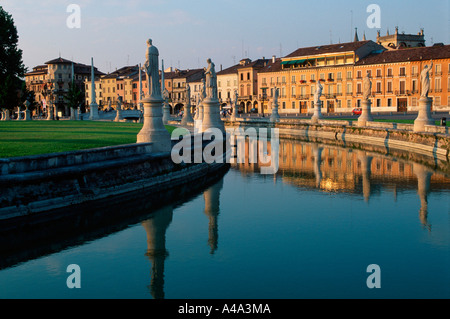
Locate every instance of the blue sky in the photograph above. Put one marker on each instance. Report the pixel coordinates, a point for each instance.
(187, 32)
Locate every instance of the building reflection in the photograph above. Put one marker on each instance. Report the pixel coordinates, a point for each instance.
(157, 253)
(332, 168)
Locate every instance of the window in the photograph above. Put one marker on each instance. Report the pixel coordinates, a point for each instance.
(438, 69)
(293, 105)
(379, 87)
(414, 86)
(283, 79)
(378, 73)
(349, 75)
(339, 76)
(293, 79)
(359, 75)
(389, 102)
(378, 102)
(248, 75)
(389, 87)
(293, 91)
(349, 104)
(242, 76)
(402, 71)
(389, 72)
(349, 88)
(284, 105)
(359, 88)
(437, 85)
(437, 101)
(414, 101)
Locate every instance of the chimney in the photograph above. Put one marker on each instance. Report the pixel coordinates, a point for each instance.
(273, 58)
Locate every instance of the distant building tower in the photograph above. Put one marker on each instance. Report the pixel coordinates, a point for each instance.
(356, 36)
(401, 40)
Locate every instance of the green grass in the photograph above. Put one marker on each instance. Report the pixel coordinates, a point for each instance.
(20, 138)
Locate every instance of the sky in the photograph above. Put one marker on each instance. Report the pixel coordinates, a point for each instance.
(187, 32)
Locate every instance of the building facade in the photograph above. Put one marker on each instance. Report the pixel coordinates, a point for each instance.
(51, 82)
(395, 76)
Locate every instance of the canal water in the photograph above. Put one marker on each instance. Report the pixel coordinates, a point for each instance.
(333, 222)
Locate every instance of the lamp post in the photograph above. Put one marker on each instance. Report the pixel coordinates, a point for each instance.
(263, 98)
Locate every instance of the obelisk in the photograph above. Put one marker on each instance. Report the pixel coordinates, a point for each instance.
(93, 106)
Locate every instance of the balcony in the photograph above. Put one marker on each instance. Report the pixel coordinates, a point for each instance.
(302, 97)
(402, 93)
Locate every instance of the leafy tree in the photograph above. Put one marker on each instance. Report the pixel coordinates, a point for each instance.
(12, 68)
(75, 97)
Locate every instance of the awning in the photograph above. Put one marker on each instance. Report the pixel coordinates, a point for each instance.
(293, 62)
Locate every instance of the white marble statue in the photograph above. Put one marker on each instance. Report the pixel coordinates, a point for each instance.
(203, 91)
(152, 70)
(188, 95)
(276, 95)
(425, 79)
(211, 80)
(367, 87)
(318, 93)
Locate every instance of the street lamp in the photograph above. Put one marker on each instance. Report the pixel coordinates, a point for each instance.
(263, 98)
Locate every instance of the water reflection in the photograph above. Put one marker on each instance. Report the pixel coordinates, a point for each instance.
(212, 210)
(156, 228)
(157, 253)
(332, 168)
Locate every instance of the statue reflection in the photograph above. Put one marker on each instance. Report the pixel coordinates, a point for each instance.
(212, 210)
(423, 188)
(156, 228)
(366, 164)
(317, 153)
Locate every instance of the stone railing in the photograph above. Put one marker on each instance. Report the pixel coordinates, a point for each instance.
(19, 165)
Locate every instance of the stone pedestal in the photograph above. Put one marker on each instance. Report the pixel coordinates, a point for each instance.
(153, 130)
(94, 112)
(198, 119)
(118, 115)
(234, 114)
(27, 115)
(187, 116)
(6, 115)
(424, 116)
(366, 115)
(50, 113)
(211, 115)
(274, 117)
(166, 113)
(317, 113)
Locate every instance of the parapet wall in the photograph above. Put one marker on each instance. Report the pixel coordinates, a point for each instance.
(435, 142)
(38, 184)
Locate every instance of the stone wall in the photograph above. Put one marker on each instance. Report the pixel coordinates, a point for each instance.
(435, 142)
(37, 184)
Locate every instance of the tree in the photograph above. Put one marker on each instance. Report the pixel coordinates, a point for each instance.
(12, 68)
(74, 97)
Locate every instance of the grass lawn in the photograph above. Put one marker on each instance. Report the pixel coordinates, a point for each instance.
(20, 138)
